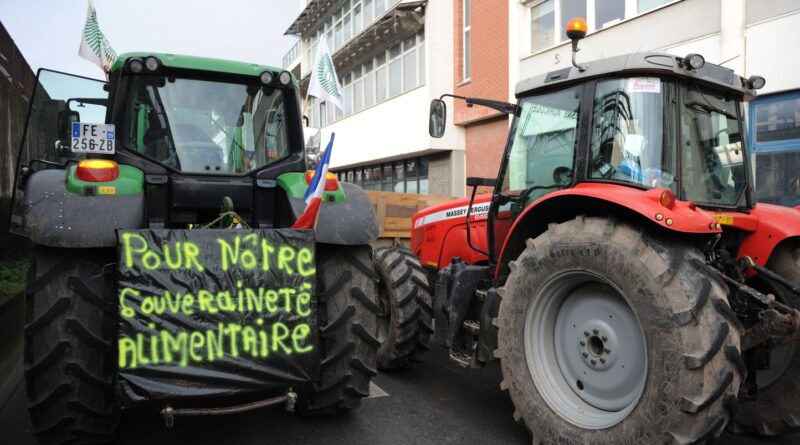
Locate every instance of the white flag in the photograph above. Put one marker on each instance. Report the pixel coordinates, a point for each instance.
(324, 84)
(94, 45)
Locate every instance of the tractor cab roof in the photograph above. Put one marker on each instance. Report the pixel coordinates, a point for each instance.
(179, 61)
(650, 64)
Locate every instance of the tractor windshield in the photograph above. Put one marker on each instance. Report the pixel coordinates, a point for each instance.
(713, 161)
(202, 126)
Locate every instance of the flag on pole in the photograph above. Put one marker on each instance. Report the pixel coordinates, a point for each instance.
(94, 45)
(315, 190)
(324, 84)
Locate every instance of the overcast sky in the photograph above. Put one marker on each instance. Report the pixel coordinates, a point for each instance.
(48, 32)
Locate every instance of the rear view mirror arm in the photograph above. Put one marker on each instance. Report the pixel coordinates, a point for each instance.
(503, 107)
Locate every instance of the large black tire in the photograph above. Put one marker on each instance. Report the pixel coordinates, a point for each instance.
(776, 408)
(689, 336)
(69, 332)
(348, 320)
(405, 323)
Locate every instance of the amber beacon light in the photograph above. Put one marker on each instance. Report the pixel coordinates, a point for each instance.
(576, 30)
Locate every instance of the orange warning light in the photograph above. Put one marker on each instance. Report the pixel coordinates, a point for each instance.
(577, 28)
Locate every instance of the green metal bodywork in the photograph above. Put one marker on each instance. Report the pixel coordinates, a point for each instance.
(295, 185)
(129, 182)
(201, 64)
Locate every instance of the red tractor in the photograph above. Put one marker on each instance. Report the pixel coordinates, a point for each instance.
(621, 270)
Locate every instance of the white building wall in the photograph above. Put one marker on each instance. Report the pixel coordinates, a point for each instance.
(397, 128)
(750, 36)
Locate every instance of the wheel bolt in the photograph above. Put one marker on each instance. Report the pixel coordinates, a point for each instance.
(607, 350)
(594, 362)
(583, 343)
(585, 354)
(604, 338)
(595, 331)
(602, 360)
(585, 333)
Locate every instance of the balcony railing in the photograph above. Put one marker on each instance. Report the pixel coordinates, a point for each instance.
(291, 56)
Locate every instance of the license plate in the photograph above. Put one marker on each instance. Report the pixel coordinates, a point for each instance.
(93, 138)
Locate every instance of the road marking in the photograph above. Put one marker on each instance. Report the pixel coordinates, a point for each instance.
(376, 391)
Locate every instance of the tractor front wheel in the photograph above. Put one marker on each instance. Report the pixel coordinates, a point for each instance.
(69, 331)
(348, 320)
(405, 322)
(776, 408)
(609, 335)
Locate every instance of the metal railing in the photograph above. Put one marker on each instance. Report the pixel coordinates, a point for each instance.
(292, 55)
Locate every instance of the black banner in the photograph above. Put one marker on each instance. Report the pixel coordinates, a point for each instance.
(215, 312)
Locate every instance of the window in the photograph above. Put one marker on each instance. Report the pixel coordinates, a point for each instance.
(543, 19)
(369, 85)
(542, 153)
(467, 50)
(395, 71)
(775, 139)
(399, 177)
(646, 5)
(377, 80)
(367, 12)
(407, 176)
(357, 20)
(549, 18)
(569, 10)
(608, 12)
(630, 132)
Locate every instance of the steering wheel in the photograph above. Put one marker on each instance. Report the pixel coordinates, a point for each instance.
(601, 166)
(562, 176)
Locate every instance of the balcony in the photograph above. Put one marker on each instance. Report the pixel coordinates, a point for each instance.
(292, 57)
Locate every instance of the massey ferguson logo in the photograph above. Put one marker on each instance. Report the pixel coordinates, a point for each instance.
(479, 211)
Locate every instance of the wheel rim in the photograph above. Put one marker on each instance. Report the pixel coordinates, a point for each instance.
(585, 350)
(779, 360)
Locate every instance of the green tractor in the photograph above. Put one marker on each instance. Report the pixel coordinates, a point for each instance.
(110, 175)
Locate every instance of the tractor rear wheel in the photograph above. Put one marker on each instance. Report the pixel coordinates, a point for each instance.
(404, 326)
(348, 319)
(776, 408)
(69, 331)
(609, 335)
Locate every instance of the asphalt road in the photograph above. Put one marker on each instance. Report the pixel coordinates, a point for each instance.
(432, 403)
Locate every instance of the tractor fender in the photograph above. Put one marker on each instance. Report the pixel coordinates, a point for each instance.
(604, 199)
(350, 222)
(773, 224)
(54, 217)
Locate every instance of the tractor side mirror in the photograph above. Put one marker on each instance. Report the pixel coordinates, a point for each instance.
(65, 119)
(437, 118)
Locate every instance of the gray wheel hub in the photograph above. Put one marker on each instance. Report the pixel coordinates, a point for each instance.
(599, 347)
(585, 349)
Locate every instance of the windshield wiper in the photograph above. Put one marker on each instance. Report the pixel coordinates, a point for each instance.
(711, 109)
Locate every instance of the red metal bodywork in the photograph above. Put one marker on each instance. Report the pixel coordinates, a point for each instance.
(766, 226)
(439, 232)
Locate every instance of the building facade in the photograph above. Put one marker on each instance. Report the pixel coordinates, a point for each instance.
(480, 69)
(391, 65)
(748, 36)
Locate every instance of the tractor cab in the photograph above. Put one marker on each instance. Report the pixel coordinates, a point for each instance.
(627, 124)
(186, 131)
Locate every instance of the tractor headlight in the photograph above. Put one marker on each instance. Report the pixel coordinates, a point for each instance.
(694, 61)
(136, 65)
(151, 63)
(285, 77)
(266, 77)
(756, 82)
